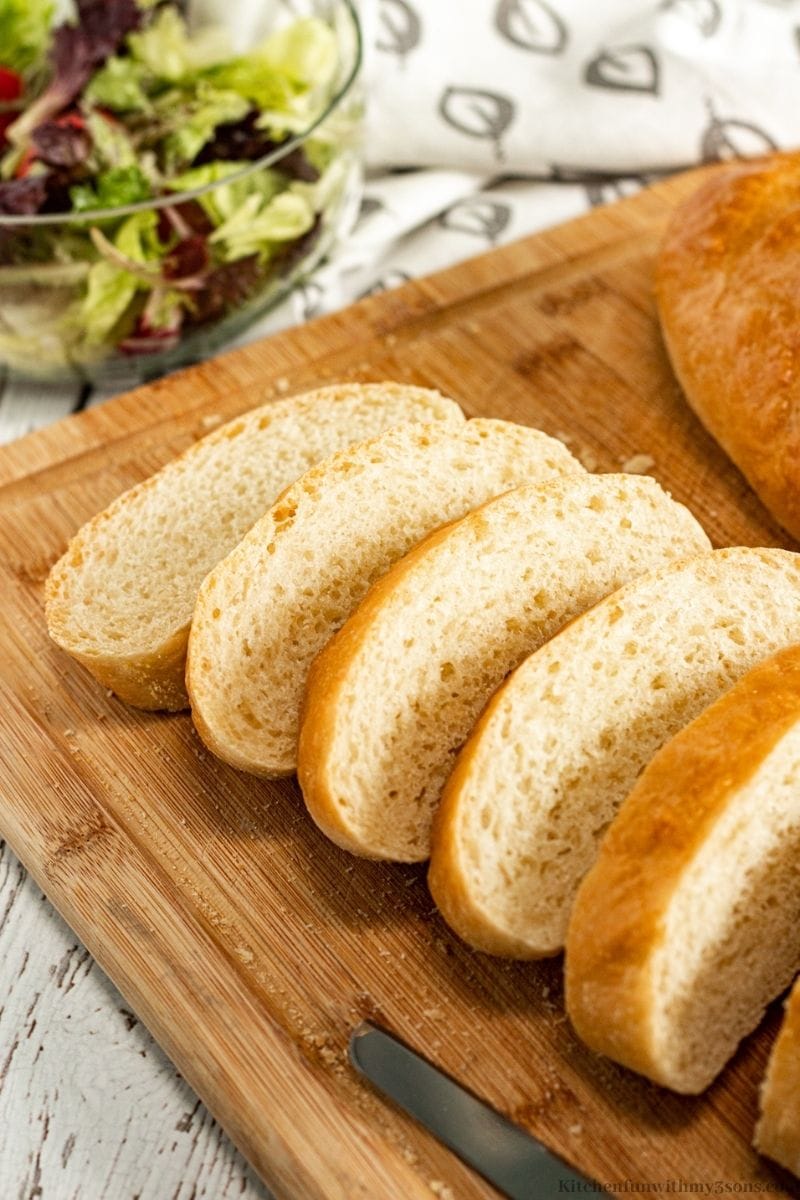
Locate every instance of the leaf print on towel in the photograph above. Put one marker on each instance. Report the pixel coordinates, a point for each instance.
(400, 28)
(705, 14)
(532, 25)
(625, 69)
(369, 205)
(725, 138)
(308, 299)
(479, 216)
(606, 189)
(477, 114)
(392, 279)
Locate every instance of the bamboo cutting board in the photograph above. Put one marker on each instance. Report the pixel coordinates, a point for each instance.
(247, 943)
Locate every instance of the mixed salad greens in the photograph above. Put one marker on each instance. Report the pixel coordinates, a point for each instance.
(121, 103)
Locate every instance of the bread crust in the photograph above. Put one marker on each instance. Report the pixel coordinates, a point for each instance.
(778, 1130)
(447, 878)
(152, 676)
(328, 673)
(727, 301)
(480, 594)
(153, 682)
(616, 922)
(228, 727)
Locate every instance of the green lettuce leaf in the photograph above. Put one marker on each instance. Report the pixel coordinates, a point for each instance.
(209, 108)
(111, 146)
(113, 189)
(255, 227)
(224, 202)
(169, 52)
(137, 238)
(24, 29)
(305, 51)
(110, 291)
(249, 77)
(289, 74)
(118, 85)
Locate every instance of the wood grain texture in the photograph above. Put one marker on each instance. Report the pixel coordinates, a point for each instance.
(248, 944)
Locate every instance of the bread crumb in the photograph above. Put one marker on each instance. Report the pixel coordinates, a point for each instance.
(566, 438)
(441, 1189)
(210, 420)
(587, 459)
(576, 1128)
(282, 384)
(638, 464)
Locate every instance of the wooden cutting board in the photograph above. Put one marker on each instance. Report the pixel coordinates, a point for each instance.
(248, 944)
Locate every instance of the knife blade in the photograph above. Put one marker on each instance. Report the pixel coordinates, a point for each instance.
(506, 1156)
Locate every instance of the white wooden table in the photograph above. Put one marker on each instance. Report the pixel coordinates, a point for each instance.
(90, 1108)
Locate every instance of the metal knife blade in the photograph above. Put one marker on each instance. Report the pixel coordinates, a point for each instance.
(505, 1155)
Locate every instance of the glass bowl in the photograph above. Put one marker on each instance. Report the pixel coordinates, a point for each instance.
(46, 260)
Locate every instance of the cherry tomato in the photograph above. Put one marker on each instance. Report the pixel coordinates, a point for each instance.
(10, 84)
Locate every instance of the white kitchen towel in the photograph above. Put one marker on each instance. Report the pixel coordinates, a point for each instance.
(491, 119)
(551, 89)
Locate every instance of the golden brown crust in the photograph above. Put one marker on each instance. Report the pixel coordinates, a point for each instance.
(154, 682)
(192, 668)
(327, 676)
(727, 289)
(778, 1130)
(154, 677)
(446, 876)
(616, 921)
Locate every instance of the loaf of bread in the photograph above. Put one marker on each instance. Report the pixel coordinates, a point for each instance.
(728, 307)
(121, 598)
(391, 699)
(268, 609)
(563, 741)
(778, 1129)
(688, 924)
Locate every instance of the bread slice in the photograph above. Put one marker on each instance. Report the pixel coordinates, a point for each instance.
(391, 699)
(563, 741)
(728, 309)
(688, 924)
(121, 598)
(270, 606)
(778, 1129)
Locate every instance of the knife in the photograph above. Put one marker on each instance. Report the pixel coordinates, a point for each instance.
(506, 1156)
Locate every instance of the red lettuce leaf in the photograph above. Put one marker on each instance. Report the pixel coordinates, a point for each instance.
(75, 51)
(226, 287)
(187, 258)
(23, 197)
(238, 141)
(63, 142)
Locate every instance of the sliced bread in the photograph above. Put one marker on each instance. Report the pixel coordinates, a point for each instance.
(391, 699)
(268, 609)
(120, 600)
(688, 924)
(563, 741)
(778, 1129)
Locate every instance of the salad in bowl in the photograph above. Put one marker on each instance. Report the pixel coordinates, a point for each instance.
(166, 172)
